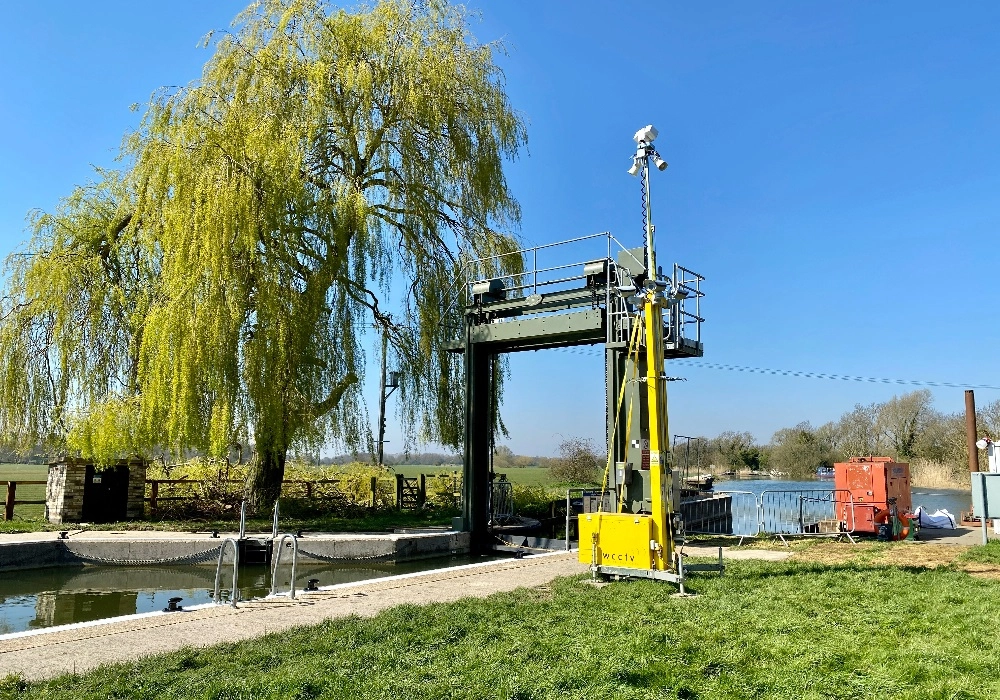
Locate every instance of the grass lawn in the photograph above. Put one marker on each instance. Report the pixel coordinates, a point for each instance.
(795, 629)
(28, 472)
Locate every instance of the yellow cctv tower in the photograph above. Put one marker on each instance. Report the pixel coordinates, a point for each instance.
(635, 535)
(590, 290)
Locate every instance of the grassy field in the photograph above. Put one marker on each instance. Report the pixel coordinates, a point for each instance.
(34, 492)
(764, 630)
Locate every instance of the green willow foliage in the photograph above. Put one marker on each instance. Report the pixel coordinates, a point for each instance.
(218, 290)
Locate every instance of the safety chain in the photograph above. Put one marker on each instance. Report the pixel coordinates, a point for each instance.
(327, 557)
(212, 554)
(197, 558)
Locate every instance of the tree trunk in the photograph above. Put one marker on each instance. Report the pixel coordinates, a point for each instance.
(267, 471)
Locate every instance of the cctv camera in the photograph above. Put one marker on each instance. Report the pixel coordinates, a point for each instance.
(646, 134)
(659, 162)
(634, 170)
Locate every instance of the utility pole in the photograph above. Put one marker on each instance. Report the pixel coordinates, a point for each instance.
(970, 430)
(391, 383)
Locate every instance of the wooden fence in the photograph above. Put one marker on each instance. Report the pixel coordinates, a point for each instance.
(405, 493)
(12, 500)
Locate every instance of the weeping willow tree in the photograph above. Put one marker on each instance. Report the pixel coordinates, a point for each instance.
(71, 323)
(326, 166)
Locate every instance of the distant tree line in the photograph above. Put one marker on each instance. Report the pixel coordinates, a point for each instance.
(906, 428)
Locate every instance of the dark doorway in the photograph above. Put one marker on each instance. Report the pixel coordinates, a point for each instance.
(105, 494)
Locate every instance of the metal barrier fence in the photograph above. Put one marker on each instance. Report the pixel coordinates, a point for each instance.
(773, 513)
(804, 512)
(501, 500)
(722, 513)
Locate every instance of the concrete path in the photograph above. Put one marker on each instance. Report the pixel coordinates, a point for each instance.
(964, 535)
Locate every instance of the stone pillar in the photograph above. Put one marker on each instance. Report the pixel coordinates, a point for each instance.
(64, 492)
(135, 509)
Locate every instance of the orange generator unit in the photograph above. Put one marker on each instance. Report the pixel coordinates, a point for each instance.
(864, 485)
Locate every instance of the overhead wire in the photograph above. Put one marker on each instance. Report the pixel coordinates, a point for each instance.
(593, 352)
(828, 375)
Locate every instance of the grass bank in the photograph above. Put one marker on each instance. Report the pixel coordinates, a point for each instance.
(764, 630)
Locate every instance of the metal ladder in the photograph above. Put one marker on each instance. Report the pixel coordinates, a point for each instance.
(277, 563)
(277, 555)
(217, 595)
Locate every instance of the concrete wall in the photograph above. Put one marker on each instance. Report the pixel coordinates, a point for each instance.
(15, 556)
(409, 547)
(123, 552)
(30, 555)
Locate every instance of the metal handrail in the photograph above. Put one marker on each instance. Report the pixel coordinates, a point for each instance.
(533, 278)
(243, 519)
(277, 562)
(589, 236)
(216, 595)
(533, 251)
(465, 274)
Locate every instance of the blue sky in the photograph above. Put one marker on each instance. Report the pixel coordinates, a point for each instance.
(834, 171)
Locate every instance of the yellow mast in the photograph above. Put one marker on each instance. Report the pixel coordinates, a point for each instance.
(656, 398)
